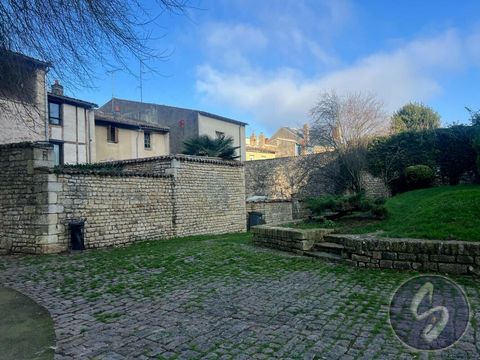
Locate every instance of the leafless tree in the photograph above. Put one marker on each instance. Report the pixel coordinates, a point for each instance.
(77, 36)
(346, 123)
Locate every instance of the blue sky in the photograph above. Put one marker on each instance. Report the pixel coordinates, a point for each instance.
(266, 62)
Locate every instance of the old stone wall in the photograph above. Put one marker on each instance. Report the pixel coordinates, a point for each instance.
(27, 215)
(302, 177)
(288, 239)
(117, 209)
(209, 196)
(178, 196)
(455, 257)
(274, 212)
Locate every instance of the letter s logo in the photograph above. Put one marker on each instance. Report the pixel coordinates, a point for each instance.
(431, 331)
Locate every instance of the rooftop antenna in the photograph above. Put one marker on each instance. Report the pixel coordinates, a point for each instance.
(141, 80)
(112, 74)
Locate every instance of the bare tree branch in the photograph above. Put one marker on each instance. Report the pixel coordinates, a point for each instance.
(347, 123)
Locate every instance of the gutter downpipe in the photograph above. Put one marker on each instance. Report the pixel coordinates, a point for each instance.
(45, 88)
(136, 141)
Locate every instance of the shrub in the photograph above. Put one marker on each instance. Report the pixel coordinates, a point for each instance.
(418, 177)
(342, 204)
(379, 211)
(380, 201)
(456, 154)
(450, 150)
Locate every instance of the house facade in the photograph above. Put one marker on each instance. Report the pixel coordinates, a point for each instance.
(121, 138)
(182, 123)
(28, 112)
(22, 98)
(71, 128)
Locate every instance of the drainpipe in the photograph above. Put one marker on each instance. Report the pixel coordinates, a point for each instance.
(45, 87)
(136, 147)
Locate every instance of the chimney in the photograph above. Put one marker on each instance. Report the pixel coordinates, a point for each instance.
(261, 140)
(57, 89)
(253, 139)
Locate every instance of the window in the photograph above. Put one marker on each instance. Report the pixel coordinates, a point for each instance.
(112, 134)
(219, 134)
(54, 113)
(57, 153)
(147, 140)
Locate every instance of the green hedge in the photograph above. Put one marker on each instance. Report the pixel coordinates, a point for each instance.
(449, 152)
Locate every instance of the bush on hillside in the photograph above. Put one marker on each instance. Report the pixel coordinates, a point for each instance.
(342, 205)
(455, 152)
(418, 177)
(451, 151)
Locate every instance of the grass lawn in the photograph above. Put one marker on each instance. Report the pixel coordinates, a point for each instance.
(445, 213)
(449, 212)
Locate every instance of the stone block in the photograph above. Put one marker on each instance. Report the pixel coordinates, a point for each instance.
(407, 256)
(465, 259)
(389, 256)
(404, 265)
(450, 268)
(442, 258)
(387, 264)
(361, 258)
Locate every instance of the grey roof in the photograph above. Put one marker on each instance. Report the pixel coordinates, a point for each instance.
(160, 107)
(101, 116)
(70, 100)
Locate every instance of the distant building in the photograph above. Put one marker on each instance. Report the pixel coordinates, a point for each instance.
(290, 141)
(182, 123)
(121, 138)
(285, 142)
(259, 149)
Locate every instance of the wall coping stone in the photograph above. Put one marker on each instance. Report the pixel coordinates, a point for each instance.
(179, 157)
(27, 144)
(375, 240)
(70, 171)
(268, 201)
(290, 233)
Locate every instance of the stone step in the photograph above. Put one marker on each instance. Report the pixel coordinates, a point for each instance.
(324, 255)
(328, 247)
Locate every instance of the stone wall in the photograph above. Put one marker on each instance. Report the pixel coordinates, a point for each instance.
(26, 216)
(274, 212)
(288, 239)
(301, 177)
(455, 257)
(172, 196)
(284, 178)
(117, 209)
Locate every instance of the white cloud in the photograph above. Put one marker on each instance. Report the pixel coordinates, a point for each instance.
(413, 71)
(221, 36)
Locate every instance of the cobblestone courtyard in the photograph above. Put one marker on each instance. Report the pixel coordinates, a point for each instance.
(218, 298)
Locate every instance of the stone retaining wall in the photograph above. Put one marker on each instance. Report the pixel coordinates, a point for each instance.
(274, 212)
(442, 256)
(178, 196)
(287, 239)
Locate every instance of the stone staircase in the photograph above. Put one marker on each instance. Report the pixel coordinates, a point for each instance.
(326, 250)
